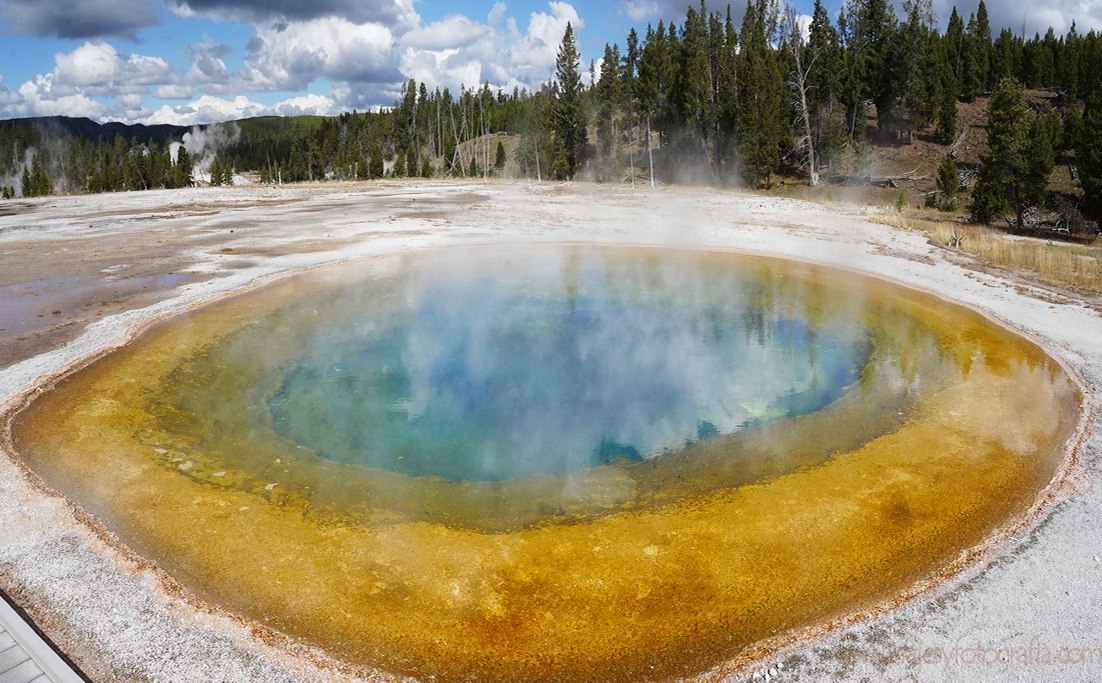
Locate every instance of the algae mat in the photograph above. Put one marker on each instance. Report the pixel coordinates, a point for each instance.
(909, 431)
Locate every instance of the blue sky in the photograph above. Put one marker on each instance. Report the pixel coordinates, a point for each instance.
(197, 61)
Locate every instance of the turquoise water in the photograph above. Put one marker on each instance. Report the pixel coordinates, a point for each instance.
(493, 363)
(489, 369)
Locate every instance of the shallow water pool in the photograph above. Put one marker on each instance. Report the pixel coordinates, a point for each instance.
(574, 462)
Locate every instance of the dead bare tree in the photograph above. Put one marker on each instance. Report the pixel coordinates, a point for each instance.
(798, 82)
(959, 141)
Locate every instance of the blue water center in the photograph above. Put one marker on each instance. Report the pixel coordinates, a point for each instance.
(489, 369)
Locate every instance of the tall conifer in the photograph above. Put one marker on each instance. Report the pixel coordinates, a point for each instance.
(569, 118)
(1089, 156)
(762, 124)
(1015, 170)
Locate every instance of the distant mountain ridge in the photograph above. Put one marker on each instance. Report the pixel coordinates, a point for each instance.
(92, 131)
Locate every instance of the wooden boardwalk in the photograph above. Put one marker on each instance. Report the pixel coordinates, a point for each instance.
(25, 657)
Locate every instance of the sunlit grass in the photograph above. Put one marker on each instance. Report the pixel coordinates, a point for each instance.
(1058, 263)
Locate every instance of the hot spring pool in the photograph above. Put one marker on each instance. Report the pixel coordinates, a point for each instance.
(571, 462)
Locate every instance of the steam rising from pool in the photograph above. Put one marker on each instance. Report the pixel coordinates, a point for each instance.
(486, 370)
(557, 463)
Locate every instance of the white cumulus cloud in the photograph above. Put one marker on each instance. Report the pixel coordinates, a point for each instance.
(315, 105)
(452, 32)
(1035, 17)
(643, 11)
(174, 91)
(100, 65)
(640, 10)
(41, 96)
(458, 51)
(290, 56)
(207, 65)
(210, 109)
(539, 46)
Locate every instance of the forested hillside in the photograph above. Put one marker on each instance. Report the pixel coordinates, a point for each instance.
(738, 96)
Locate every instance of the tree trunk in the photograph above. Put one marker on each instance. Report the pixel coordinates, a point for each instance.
(1018, 206)
(631, 164)
(650, 154)
(799, 87)
(809, 141)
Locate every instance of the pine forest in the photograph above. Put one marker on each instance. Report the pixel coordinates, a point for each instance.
(748, 96)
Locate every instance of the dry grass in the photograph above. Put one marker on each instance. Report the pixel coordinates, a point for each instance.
(1057, 263)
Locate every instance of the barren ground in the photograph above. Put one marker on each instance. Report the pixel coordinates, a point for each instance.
(81, 274)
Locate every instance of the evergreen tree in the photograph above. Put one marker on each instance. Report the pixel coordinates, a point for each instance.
(872, 34)
(954, 46)
(182, 171)
(499, 156)
(948, 88)
(221, 172)
(1073, 129)
(400, 165)
(982, 47)
(917, 68)
(216, 172)
(762, 125)
(1041, 158)
(726, 95)
(988, 196)
(609, 105)
(824, 83)
(631, 58)
(976, 56)
(1089, 156)
(706, 98)
(376, 167)
(1046, 49)
(297, 165)
(1016, 168)
(568, 115)
(1067, 65)
(653, 85)
(655, 77)
(948, 184)
(560, 163)
(692, 91)
(629, 94)
(40, 182)
(314, 166)
(1006, 56)
(720, 67)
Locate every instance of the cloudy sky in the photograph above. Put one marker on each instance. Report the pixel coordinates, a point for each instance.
(197, 61)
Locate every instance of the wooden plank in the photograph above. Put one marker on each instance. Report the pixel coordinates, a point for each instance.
(23, 673)
(6, 640)
(28, 657)
(10, 659)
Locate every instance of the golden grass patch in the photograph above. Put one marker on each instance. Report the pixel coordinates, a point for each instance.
(1052, 262)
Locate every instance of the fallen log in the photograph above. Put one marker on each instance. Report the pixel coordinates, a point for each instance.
(879, 181)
